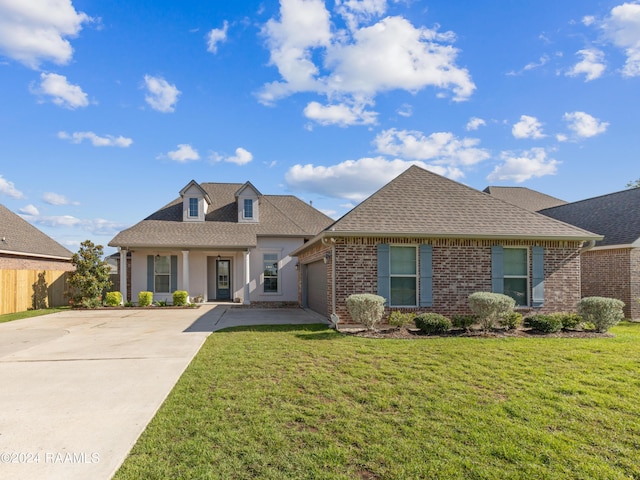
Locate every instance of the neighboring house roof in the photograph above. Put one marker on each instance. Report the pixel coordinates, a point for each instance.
(420, 203)
(616, 216)
(524, 197)
(19, 237)
(280, 215)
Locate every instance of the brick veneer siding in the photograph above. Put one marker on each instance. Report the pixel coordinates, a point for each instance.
(15, 262)
(460, 268)
(613, 273)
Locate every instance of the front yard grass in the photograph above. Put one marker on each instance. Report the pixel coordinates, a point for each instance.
(9, 317)
(306, 402)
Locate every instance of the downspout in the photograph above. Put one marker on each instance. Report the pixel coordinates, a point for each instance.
(590, 244)
(334, 316)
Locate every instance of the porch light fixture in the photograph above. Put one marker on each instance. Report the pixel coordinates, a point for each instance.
(326, 258)
(219, 257)
(297, 265)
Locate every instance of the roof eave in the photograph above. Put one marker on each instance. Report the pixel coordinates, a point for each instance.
(35, 255)
(559, 238)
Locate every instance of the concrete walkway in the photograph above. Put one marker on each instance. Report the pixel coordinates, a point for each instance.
(79, 387)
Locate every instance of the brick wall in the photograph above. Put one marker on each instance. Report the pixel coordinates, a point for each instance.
(613, 273)
(460, 268)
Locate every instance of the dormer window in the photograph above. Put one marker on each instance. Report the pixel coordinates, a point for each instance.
(248, 208)
(193, 207)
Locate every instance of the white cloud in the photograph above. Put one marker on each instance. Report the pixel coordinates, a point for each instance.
(96, 140)
(440, 148)
(242, 157)
(183, 154)
(8, 188)
(355, 180)
(62, 92)
(540, 63)
(474, 123)
(352, 66)
(216, 36)
(29, 210)
(622, 28)
(584, 125)
(161, 96)
(527, 127)
(519, 168)
(405, 110)
(57, 199)
(96, 226)
(592, 64)
(342, 114)
(588, 20)
(38, 30)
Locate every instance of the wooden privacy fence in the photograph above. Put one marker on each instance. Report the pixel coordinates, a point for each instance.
(22, 290)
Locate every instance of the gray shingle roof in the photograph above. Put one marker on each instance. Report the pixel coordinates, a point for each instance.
(616, 216)
(524, 197)
(279, 215)
(419, 202)
(21, 238)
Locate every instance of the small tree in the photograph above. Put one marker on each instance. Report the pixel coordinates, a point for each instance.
(490, 307)
(91, 276)
(634, 184)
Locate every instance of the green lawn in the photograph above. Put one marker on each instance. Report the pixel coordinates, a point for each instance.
(283, 402)
(9, 317)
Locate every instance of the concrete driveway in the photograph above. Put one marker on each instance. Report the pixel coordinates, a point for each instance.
(79, 387)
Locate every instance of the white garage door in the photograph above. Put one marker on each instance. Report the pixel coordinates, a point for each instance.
(317, 287)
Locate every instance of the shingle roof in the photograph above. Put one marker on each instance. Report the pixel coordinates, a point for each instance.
(21, 238)
(524, 197)
(616, 216)
(419, 202)
(279, 215)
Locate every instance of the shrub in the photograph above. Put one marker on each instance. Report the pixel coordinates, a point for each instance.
(91, 302)
(113, 299)
(180, 298)
(570, 321)
(489, 307)
(433, 323)
(161, 303)
(511, 320)
(128, 304)
(602, 312)
(463, 321)
(366, 308)
(145, 299)
(399, 319)
(545, 323)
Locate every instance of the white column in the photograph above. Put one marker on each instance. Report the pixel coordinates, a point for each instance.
(185, 272)
(247, 278)
(123, 273)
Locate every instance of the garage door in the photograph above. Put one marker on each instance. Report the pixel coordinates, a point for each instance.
(317, 287)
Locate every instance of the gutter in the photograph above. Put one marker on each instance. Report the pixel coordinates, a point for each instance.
(590, 244)
(334, 315)
(35, 255)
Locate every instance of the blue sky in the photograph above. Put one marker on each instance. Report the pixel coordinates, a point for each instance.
(108, 109)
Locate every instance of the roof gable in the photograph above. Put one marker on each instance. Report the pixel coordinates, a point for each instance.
(420, 202)
(19, 237)
(195, 185)
(245, 187)
(615, 215)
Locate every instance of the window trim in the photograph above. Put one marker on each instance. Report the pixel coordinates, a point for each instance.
(156, 274)
(415, 276)
(526, 276)
(278, 276)
(193, 205)
(244, 209)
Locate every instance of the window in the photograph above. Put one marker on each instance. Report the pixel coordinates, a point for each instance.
(193, 207)
(248, 208)
(270, 272)
(402, 269)
(162, 274)
(516, 275)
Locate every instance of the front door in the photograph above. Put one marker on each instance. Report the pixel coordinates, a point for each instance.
(223, 279)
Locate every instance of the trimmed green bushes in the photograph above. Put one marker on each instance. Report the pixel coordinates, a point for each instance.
(602, 312)
(366, 308)
(180, 298)
(432, 323)
(490, 307)
(145, 299)
(545, 323)
(463, 321)
(113, 299)
(511, 320)
(399, 319)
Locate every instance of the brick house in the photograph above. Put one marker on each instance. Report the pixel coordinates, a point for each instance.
(425, 243)
(30, 260)
(612, 267)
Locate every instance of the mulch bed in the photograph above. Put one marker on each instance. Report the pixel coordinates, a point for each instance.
(415, 334)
